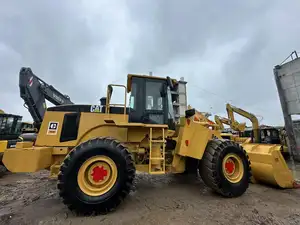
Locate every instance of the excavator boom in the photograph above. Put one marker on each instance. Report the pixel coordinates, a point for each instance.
(34, 91)
(220, 121)
(240, 127)
(234, 124)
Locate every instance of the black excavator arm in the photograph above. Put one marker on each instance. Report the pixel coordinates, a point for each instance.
(34, 91)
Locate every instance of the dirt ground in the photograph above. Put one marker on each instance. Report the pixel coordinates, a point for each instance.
(167, 199)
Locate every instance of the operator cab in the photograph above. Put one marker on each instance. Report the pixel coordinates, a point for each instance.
(270, 135)
(267, 135)
(10, 126)
(150, 100)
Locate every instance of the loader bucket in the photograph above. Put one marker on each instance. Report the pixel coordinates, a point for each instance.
(268, 165)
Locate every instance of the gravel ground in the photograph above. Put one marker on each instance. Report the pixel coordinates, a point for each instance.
(168, 199)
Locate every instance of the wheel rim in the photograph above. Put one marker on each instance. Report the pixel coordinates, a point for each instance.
(233, 168)
(97, 175)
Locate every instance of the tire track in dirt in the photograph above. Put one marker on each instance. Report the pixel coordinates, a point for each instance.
(170, 199)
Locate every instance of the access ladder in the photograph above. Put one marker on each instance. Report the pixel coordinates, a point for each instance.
(160, 158)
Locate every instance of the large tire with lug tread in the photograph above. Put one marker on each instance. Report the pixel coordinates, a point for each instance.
(3, 169)
(225, 167)
(96, 176)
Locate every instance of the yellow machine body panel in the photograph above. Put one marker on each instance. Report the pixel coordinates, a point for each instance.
(193, 138)
(3, 145)
(27, 159)
(235, 138)
(242, 140)
(228, 136)
(268, 165)
(90, 125)
(24, 144)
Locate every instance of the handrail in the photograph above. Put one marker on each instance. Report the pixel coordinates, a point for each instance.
(109, 94)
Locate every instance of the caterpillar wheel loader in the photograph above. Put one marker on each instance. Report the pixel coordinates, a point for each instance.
(95, 151)
(10, 130)
(11, 127)
(266, 152)
(239, 127)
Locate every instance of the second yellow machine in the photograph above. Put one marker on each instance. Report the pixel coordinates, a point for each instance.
(95, 150)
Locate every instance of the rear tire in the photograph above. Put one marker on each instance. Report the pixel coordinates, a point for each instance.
(215, 174)
(3, 169)
(86, 192)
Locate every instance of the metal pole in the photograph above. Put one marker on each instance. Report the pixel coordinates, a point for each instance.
(287, 117)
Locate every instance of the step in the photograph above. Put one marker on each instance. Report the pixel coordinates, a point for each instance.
(158, 141)
(157, 172)
(157, 158)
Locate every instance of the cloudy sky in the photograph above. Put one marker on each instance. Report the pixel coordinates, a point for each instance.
(226, 50)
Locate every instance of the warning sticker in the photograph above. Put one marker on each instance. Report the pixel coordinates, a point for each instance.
(52, 128)
(30, 81)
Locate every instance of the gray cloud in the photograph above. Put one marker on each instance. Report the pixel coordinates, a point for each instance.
(175, 29)
(68, 44)
(225, 50)
(179, 32)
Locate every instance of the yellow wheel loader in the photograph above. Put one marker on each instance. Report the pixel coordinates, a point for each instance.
(10, 129)
(94, 151)
(265, 151)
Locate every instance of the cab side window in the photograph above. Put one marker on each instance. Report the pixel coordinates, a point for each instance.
(154, 96)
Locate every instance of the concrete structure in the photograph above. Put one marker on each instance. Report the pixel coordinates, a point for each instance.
(287, 77)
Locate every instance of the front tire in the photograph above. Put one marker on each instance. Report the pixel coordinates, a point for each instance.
(96, 176)
(225, 167)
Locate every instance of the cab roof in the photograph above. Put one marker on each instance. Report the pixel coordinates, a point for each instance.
(130, 76)
(10, 115)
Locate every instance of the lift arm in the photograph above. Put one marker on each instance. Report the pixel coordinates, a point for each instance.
(34, 91)
(255, 126)
(220, 121)
(234, 126)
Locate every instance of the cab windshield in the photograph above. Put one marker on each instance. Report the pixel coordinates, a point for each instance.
(10, 124)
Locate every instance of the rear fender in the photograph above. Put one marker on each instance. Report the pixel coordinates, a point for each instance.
(192, 139)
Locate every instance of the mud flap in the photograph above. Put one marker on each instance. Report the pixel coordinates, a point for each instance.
(268, 165)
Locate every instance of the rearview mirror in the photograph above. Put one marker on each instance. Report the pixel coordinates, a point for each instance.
(109, 93)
